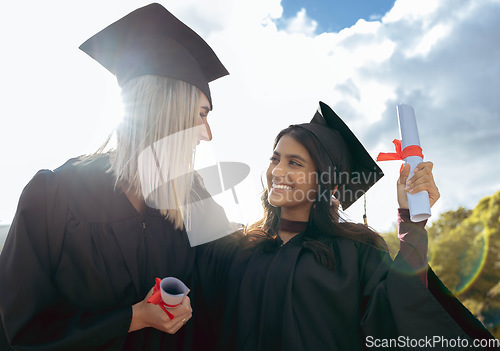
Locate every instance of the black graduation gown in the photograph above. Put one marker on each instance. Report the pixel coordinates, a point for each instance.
(77, 257)
(286, 300)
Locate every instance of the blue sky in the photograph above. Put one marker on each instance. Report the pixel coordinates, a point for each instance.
(335, 15)
(439, 56)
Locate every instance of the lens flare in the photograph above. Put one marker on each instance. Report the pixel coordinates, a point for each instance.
(479, 251)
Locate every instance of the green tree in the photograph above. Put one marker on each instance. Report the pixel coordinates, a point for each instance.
(392, 240)
(446, 222)
(464, 251)
(465, 254)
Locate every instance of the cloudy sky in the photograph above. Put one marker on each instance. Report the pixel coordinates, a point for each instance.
(360, 57)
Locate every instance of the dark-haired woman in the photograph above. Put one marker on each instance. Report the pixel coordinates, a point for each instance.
(301, 279)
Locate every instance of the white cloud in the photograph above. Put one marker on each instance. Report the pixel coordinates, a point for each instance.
(441, 57)
(434, 57)
(429, 39)
(301, 24)
(411, 10)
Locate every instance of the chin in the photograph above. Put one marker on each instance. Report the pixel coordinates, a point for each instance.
(273, 202)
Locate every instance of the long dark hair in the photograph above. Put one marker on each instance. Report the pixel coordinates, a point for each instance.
(324, 219)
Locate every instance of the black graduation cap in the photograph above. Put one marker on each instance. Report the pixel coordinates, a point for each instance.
(152, 41)
(354, 168)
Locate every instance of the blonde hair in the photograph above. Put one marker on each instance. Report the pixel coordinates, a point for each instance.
(160, 116)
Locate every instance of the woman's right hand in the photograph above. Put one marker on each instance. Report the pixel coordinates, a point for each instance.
(146, 314)
(422, 180)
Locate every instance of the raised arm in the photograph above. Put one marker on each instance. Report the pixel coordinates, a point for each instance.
(412, 235)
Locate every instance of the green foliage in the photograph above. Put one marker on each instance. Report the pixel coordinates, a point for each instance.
(464, 251)
(392, 240)
(465, 254)
(447, 221)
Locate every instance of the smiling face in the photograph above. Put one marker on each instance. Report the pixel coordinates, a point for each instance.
(292, 179)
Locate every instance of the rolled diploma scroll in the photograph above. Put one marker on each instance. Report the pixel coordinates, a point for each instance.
(173, 291)
(420, 208)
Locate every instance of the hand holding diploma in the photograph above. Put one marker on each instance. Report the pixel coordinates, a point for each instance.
(168, 293)
(166, 307)
(421, 181)
(409, 150)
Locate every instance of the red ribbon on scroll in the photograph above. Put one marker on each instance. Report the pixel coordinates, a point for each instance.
(156, 299)
(410, 150)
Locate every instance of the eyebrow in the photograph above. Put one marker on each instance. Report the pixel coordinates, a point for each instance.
(292, 156)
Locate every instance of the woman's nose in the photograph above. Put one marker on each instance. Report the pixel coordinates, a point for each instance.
(206, 132)
(278, 171)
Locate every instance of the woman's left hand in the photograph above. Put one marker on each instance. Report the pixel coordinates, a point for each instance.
(421, 181)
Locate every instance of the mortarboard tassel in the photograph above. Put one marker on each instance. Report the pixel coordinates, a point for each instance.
(365, 219)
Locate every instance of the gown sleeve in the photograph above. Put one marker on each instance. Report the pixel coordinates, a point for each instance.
(35, 316)
(211, 296)
(398, 306)
(413, 244)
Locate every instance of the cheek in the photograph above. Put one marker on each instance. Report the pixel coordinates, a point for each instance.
(269, 176)
(312, 184)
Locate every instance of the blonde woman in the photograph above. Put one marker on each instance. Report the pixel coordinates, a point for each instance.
(89, 238)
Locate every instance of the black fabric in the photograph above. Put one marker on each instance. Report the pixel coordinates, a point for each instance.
(78, 256)
(453, 306)
(152, 41)
(284, 300)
